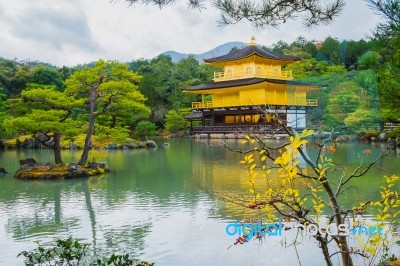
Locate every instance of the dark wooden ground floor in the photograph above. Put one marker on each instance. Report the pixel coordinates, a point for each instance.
(238, 120)
(239, 129)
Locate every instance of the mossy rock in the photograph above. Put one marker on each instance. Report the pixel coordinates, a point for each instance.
(46, 171)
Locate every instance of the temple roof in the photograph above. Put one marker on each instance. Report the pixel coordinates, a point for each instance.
(247, 81)
(249, 51)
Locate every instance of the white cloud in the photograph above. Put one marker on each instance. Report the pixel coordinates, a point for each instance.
(44, 31)
(54, 28)
(69, 32)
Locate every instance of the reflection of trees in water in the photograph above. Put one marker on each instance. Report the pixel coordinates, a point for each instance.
(150, 174)
(44, 218)
(35, 225)
(127, 239)
(89, 206)
(220, 174)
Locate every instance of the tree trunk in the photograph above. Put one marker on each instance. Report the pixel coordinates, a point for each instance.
(86, 148)
(325, 251)
(92, 214)
(57, 148)
(113, 121)
(342, 245)
(56, 145)
(344, 250)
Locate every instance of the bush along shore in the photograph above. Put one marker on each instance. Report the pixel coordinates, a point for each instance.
(392, 141)
(28, 142)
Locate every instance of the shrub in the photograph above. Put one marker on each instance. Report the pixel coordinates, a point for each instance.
(145, 129)
(65, 252)
(70, 252)
(395, 133)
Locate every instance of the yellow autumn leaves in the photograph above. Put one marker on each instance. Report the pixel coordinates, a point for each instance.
(287, 164)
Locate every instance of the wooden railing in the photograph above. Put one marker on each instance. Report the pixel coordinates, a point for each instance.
(312, 102)
(300, 102)
(221, 76)
(390, 126)
(201, 105)
(270, 129)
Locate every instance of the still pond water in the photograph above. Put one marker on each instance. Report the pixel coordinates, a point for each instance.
(154, 205)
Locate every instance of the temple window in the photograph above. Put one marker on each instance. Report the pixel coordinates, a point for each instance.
(248, 71)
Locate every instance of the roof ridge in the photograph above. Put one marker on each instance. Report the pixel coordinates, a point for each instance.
(249, 50)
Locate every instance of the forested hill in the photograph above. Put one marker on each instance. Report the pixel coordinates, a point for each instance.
(351, 68)
(217, 51)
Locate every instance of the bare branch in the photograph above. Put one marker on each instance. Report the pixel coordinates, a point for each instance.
(224, 145)
(359, 171)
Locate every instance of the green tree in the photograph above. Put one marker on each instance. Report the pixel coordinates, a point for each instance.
(140, 65)
(3, 98)
(363, 119)
(107, 87)
(343, 100)
(41, 74)
(308, 46)
(206, 72)
(187, 73)
(145, 129)
(389, 10)
(125, 111)
(117, 134)
(7, 72)
(313, 68)
(351, 51)
(386, 41)
(369, 60)
(65, 72)
(353, 106)
(157, 84)
(279, 47)
(46, 114)
(330, 51)
(19, 80)
(175, 121)
(297, 52)
(187, 70)
(163, 81)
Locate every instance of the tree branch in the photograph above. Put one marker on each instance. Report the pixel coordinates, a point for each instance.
(43, 142)
(354, 174)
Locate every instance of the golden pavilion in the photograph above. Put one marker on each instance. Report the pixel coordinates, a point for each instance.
(250, 93)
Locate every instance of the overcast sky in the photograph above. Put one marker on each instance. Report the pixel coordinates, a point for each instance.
(70, 32)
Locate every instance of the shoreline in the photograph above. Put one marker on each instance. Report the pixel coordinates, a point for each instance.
(31, 143)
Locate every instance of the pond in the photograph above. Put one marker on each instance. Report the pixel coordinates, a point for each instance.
(155, 204)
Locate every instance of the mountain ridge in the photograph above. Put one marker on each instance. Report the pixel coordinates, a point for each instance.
(217, 51)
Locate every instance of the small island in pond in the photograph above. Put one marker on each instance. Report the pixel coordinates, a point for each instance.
(32, 170)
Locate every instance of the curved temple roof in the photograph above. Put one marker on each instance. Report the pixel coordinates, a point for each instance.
(248, 81)
(249, 51)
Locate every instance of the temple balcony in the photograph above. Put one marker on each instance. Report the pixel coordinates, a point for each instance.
(280, 102)
(253, 73)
